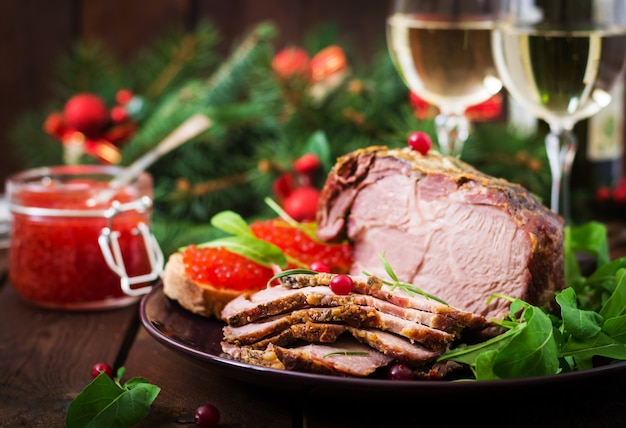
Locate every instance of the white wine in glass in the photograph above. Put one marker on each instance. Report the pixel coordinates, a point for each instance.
(442, 50)
(559, 60)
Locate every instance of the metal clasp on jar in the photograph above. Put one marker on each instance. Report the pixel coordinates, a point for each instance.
(109, 244)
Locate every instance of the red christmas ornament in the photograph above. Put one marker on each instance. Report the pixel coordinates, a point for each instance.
(86, 113)
(283, 186)
(487, 110)
(291, 61)
(327, 62)
(301, 204)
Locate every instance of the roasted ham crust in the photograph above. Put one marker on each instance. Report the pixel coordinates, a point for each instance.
(438, 219)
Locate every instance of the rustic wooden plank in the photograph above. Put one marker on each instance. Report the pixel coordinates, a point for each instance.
(127, 27)
(34, 34)
(187, 383)
(363, 25)
(46, 357)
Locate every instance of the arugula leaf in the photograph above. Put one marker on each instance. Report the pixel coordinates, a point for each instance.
(257, 250)
(616, 303)
(532, 352)
(106, 403)
(582, 352)
(231, 222)
(582, 324)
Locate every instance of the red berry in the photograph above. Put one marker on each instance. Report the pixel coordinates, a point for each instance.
(320, 267)
(101, 367)
(400, 372)
(283, 186)
(54, 124)
(341, 284)
(307, 164)
(86, 113)
(207, 416)
(420, 141)
(291, 61)
(301, 204)
(119, 113)
(123, 96)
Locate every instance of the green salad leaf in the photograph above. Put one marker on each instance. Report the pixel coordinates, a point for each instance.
(105, 402)
(243, 241)
(590, 323)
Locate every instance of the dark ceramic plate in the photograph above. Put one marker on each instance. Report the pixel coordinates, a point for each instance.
(200, 337)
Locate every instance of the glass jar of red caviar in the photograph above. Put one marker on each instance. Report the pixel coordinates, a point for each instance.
(71, 249)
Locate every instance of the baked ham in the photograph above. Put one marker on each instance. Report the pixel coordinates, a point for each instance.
(442, 225)
(301, 323)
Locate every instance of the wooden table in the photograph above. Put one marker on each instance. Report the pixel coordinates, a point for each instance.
(46, 358)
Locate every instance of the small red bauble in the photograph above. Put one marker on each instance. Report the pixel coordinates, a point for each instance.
(291, 61)
(307, 164)
(86, 113)
(301, 204)
(421, 142)
(341, 284)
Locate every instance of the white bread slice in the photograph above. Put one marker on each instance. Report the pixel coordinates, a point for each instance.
(202, 299)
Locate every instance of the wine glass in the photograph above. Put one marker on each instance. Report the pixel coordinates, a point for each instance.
(442, 50)
(559, 60)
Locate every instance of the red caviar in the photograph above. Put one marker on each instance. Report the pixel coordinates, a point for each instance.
(222, 268)
(55, 259)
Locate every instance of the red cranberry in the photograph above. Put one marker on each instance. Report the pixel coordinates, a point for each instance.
(420, 141)
(341, 284)
(320, 267)
(207, 416)
(400, 372)
(101, 367)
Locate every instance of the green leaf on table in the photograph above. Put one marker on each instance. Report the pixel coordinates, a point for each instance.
(106, 403)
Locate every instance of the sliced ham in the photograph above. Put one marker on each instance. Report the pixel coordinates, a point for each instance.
(380, 323)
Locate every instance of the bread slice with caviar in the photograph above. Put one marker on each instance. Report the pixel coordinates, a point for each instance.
(204, 278)
(200, 298)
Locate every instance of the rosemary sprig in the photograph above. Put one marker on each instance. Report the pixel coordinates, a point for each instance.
(409, 289)
(289, 272)
(345, 353)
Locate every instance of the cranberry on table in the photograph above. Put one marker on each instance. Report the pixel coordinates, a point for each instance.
(101, 367)
(207, 416)
(341, 284)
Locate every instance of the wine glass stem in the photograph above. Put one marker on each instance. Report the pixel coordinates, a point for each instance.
(452, 132)
(561, 148)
